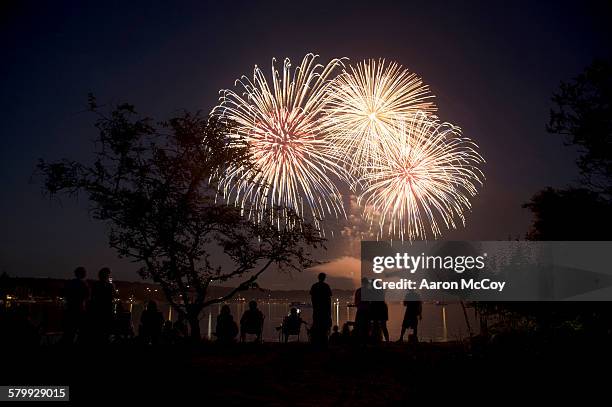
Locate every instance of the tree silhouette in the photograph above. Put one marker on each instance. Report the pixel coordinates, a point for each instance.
(583, 115)
(154, 184)
(571, 214)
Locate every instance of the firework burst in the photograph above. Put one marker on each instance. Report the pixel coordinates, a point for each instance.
(279, 120)
(363, 106)
(425, 182)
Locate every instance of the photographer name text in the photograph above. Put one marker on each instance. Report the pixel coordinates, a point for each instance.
(424, 284)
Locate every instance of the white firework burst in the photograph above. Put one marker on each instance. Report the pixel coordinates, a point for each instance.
(280, 121)
(426, 180)
(363, 105)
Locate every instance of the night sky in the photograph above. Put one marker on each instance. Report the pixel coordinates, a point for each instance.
(493, 69)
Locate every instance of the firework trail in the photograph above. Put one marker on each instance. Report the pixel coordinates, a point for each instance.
(365, 103)
(279, 120)
(425, 182)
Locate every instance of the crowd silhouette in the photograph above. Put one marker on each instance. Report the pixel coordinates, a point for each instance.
(93, 315)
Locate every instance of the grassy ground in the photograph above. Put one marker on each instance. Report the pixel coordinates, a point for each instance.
(296, 374)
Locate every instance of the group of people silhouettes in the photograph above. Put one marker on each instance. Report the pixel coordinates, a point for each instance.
(370, 323)
(371, 317)
(251, 323)
(92, 315)
(89, 313)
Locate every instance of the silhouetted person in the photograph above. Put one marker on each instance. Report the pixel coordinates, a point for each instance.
(76, 294)
(101, 307)
(335, 338)
(292, 324)
(19, 330)
(226, 329)
(181, 327)
(169, 334)
(346, 333)
(414, 312)
(251, 322)
(379, 313)
(151, 322)
(320, 295)
(124, 328)
(362, 316)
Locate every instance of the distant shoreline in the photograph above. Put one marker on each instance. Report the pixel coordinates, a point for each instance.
(23, 287)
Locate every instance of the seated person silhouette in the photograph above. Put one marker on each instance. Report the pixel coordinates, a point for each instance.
(151, 322)
(335, 338)
(227, 329)
(292, 324)
(169, 335)
(18, 331)
(251, 322)
(123, 328)
(347, 329)
(182, 331)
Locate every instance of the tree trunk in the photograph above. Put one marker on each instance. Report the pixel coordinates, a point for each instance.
(193, 317)
(194, 325)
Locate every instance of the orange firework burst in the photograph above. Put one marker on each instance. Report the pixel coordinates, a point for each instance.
(280, 123)
(426, 180)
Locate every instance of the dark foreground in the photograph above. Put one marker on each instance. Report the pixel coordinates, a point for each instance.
(295, 374)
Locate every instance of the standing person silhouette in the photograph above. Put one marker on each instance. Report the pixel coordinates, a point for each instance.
(320, 295)
(76, 293)
(412, 316)
(363, 314)
(379, 314)
(101, 307)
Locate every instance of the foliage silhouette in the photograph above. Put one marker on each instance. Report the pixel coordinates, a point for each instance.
(583, 115)
(154, 184)
(571, 214)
